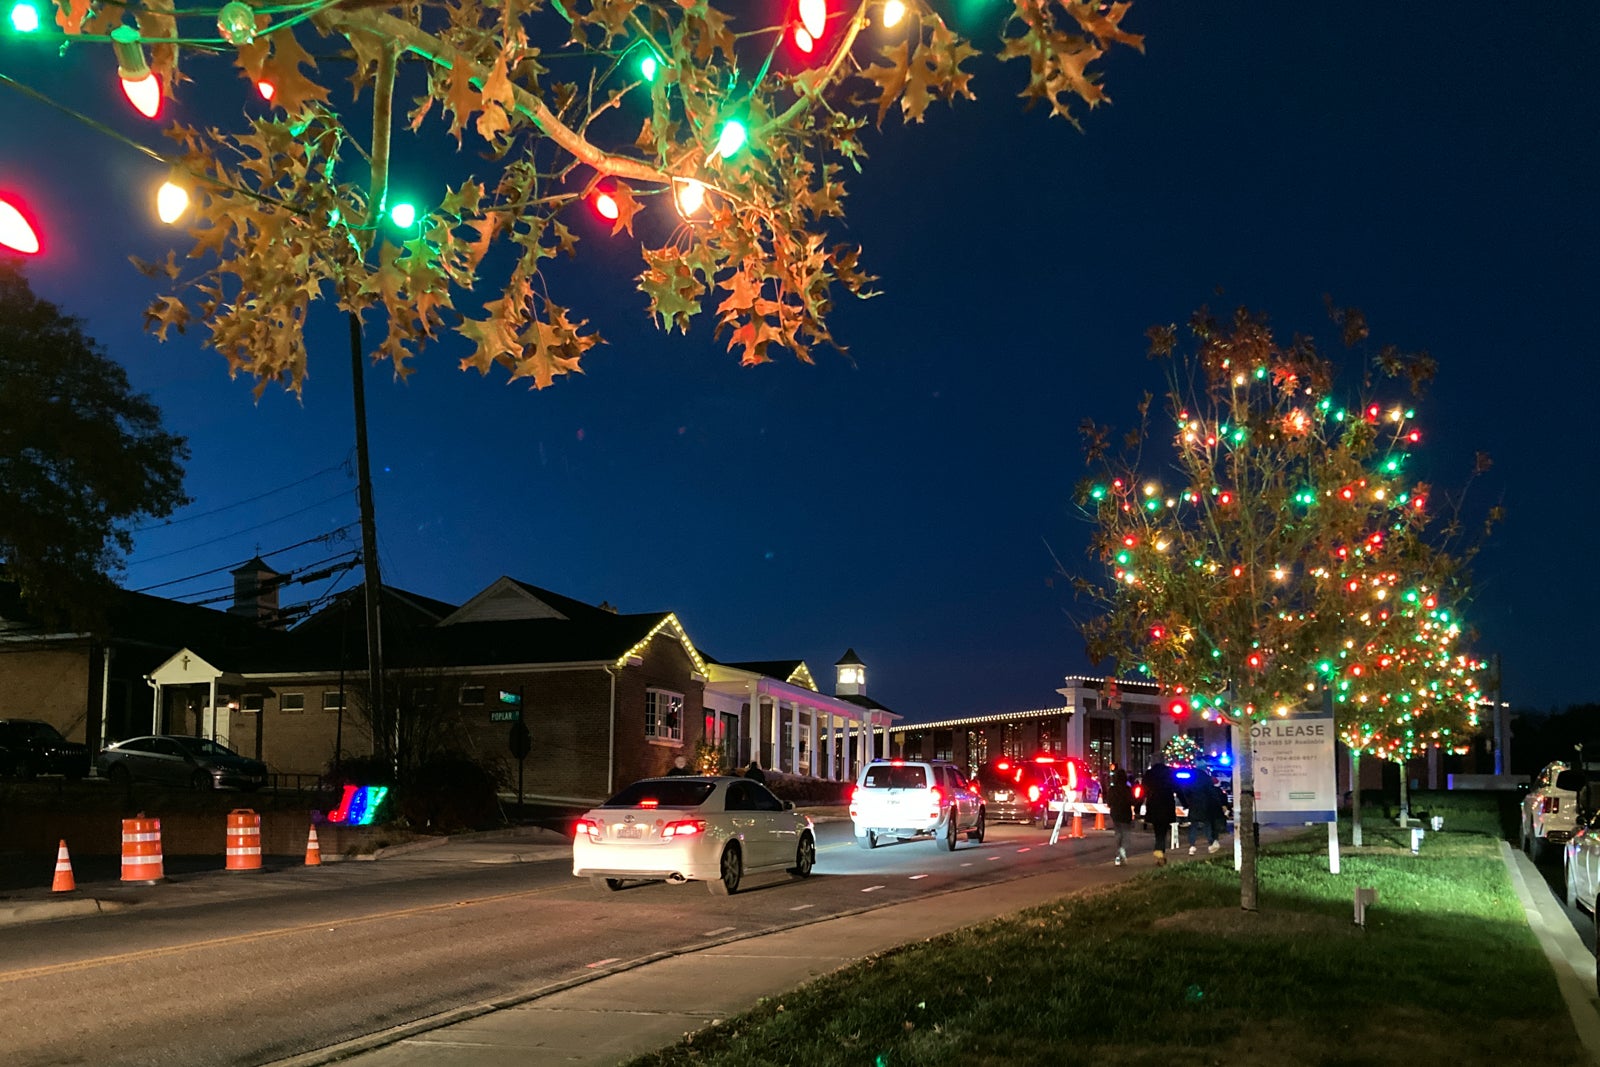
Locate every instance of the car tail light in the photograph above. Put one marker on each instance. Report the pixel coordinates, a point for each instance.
(587, 826)
(1550, 804)
(1033, 792)
(683, 828)
(936, 798)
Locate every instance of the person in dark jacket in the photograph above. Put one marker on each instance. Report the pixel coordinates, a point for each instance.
(1160, 806)
(1119, 798)
(1205, 803)
(755, 773)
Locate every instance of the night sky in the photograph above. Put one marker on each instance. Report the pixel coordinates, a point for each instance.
(1424, 162)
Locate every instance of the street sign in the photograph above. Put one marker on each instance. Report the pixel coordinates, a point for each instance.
(510, 698)
(505, 716)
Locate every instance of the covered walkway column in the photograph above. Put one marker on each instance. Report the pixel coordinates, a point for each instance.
(753, 722)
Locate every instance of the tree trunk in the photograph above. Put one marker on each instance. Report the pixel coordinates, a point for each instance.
(1405, 797)
(1244, 808)
(1355, 798)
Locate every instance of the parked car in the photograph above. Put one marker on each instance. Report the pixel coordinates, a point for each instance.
(1019, 790)
(915, 798)
(692, 828)
(1076, 778)
(195, 762)
(29, 747)
(1549, 811)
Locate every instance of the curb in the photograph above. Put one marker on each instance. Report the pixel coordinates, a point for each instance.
(1570, 960)
(45, 910)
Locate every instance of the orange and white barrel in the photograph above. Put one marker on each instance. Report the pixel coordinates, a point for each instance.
(141, 851)
(244, 840)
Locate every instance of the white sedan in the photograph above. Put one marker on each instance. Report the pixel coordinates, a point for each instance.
(692, 829)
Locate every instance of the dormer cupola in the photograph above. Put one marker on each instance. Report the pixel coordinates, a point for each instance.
(850, 676)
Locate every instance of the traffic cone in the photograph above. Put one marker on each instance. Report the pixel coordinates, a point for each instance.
(1099, 820)
(313, 850)
(64, 882)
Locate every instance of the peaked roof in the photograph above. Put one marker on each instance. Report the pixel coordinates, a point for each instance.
(792, 671)
(507, 599)
(849, 659)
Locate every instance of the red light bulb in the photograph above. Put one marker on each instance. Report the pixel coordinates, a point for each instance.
(144, 94)
(605, 205)
(16, 232)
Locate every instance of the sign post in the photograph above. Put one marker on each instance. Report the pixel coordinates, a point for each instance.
(521, 744)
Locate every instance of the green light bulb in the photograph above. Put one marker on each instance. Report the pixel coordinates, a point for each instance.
(24, 17)
(647, 68)
(731, 139)
(403, 215)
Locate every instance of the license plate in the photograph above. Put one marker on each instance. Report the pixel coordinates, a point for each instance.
(1001, 794)
(630, 831)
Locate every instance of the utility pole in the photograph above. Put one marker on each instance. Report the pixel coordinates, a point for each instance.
(369, 542)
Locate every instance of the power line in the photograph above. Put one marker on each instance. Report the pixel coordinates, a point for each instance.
(289, 577)
(331, 535)
(251, 529)
(343, 465)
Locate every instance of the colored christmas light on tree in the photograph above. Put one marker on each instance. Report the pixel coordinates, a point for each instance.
(1292, 563)
(1181, 750)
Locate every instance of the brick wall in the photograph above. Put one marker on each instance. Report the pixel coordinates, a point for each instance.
(50, 684)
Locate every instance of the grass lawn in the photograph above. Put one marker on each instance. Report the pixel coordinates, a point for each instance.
(1165, 969)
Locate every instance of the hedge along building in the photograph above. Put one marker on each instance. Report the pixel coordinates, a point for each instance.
(607, 697)
(1101, 721)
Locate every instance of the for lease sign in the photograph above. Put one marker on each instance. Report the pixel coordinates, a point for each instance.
(1294, 769)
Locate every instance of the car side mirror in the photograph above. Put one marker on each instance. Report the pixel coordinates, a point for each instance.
(788, 805)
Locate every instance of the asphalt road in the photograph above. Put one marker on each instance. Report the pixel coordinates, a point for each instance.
(230, 968)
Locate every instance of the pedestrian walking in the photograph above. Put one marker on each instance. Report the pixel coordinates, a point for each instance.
(1206, 810)
(1160, 806)
(1119, 798)
(755, 773)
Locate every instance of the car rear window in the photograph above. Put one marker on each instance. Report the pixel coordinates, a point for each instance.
(663, 793)
(891, 777)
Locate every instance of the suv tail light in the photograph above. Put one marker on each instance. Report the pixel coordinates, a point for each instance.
(1549, 804)
(587, 826)
(683, 828)
(1033, 793)
(937, 799)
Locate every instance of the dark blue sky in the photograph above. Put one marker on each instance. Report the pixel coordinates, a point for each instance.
(1430, 165)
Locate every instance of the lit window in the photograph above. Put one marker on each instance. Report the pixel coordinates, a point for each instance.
(663, 715)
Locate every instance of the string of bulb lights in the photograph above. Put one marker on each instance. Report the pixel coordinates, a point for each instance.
(240, 24)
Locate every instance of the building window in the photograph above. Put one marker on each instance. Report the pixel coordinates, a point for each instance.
(663, 715)
(1141, 745)
(1049, 739)
(292, 702)
(250, 703)
(332, 700)
(944, 744)
(1102, 747)
(472, 696)
(977, 747)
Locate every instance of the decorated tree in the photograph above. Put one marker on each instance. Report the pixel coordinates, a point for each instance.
(1288, 556)
(716, 134)
(1181, 750)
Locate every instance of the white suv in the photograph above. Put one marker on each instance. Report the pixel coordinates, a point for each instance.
(915, 798)
(1550, 810)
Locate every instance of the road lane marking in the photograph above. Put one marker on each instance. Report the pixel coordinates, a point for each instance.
(262, 935)
(602, 963)
(914, 877)
(802, 907)
(872, 888)
(718, 930)
(993, 858)
(967, 864)
(1028, 849)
